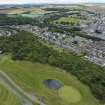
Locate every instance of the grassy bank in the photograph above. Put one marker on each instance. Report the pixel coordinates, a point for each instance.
(30, 77)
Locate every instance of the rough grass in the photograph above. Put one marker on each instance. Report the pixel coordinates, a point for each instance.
(30, 76)
(7, 97)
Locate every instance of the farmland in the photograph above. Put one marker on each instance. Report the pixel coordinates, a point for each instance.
(68, 20)
(20, 10)
(29, 12)
(25, 12)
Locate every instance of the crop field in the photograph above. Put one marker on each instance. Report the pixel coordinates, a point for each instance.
(7, 97)
(26, 12)
(98, 7)
(18, 11)
(12, 11)
(35, 13)
(30, 76)
(23, 10)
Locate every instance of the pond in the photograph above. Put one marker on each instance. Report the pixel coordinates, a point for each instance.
(52, 83)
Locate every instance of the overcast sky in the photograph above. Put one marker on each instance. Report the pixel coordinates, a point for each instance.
(47, 1)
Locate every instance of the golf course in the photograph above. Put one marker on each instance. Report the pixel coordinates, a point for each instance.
(30, 77)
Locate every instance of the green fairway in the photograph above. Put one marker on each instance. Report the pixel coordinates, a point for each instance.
(70, 94)
(30, 76)
(7, 97)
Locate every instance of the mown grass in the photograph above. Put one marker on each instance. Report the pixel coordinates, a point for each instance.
(70, 94)
(30, 76)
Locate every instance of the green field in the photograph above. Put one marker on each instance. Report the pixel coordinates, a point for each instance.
(30, 76)
(70, 94)
(27, 12)
(73, 20)
(34, 14)
(7, 97)
(23, 10)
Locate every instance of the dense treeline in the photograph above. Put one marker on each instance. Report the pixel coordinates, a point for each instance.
(63, 9)
(26, 46)
(19, 20)
(57, 9)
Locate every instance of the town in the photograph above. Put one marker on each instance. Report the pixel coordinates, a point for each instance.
(89, 23)
(92, 50)
(52, 54)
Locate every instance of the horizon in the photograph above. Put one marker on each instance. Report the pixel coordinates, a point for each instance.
(51, 3)
(6, 2)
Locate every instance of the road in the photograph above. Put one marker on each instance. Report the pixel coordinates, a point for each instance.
(25, 98)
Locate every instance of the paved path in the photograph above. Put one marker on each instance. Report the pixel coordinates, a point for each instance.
(25, 98)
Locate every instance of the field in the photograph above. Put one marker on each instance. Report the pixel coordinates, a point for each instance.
(73, 20)
(30, 76)
(70, 94)
(95, 7)
(12, 10)
(35, 13)
(23, 10)
(26, 12)
(7, 97)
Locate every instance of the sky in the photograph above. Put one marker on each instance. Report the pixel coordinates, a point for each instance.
(48, 1)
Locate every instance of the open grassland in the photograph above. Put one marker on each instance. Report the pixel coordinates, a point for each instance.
(23, 10)
(7, 97)
(27, 12)
(34, 13)
(12, 11)
(17, 11)
(30, 76)
(73, 20)
(67, 91)
(95, 7)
